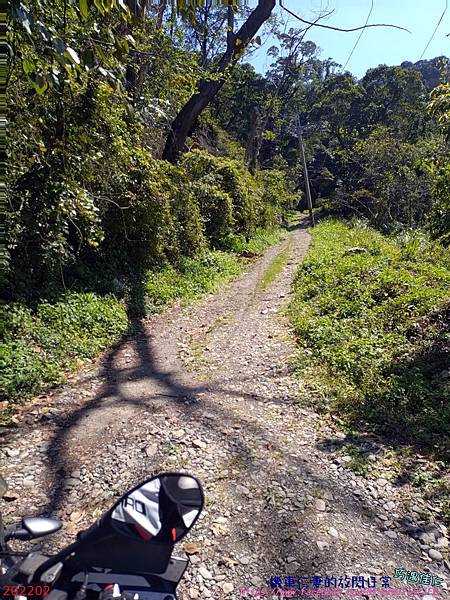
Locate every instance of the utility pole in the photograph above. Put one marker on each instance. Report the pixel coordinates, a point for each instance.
(305, 175)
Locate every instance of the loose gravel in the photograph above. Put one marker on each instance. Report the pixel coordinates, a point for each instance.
(209, 389)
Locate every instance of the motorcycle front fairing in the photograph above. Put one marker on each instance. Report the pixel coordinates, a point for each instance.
(132, 544)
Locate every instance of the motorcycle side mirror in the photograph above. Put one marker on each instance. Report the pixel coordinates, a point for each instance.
(162, 509)
(39, 526)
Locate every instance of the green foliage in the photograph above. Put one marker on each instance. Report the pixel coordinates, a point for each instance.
(277, 198)
(358, 462)
(260, 241)
(439, 107)
(386, 182)
(276, 266)
(39, 347)
(194, 277)
(231, 200)
(370, 314)
(440, 214)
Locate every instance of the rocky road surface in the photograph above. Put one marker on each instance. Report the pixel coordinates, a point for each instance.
(209, 389)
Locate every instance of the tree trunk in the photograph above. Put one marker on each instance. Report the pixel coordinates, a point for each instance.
(186, 118)
(252, 143)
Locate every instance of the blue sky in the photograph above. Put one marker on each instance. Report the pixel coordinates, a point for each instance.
(377, 45)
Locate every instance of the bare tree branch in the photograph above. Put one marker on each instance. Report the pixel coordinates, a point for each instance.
(316, 24)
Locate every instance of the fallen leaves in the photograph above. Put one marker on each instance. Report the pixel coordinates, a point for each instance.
(191, 548)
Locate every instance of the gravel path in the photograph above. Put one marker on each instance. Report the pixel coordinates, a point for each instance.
(208, 388)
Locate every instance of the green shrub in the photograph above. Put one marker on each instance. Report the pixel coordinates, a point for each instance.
(369, 313)
(229, 177)
(277, 199)
(194, 277)
(38, 347)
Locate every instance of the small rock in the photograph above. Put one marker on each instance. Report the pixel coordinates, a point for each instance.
(71, 481)
(320, 504)
(442, 542)
(151, 450)
(426, 538)
(205, 573)
(333, 532)
(391, 534)
(227, 587)
(76, 516)
(434, 554)
(198, 444)
(322, 545)
(11, 452)
(220, 520)
(193, 593)
(191, 548)
(244, 560)
(382, 482)
(290, 559)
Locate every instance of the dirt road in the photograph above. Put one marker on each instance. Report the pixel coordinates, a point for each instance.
(208, 388)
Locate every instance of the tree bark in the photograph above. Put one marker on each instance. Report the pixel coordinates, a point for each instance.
(254, 134)
(187, 117)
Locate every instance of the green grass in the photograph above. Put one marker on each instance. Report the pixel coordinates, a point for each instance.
(276, 266)
(193, 278)
(260, 241)
(38, 348)
(359, 463)
(371, 316)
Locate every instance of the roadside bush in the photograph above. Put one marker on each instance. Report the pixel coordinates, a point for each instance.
(231, 178)
(277, 199)
(440, 214)
(38, 347)
(194, 277)
(369, 313)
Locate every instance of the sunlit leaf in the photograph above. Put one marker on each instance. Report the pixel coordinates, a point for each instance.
(99, 6)
(39, 82)
(84, 9)
(28, 66)
(72, 55)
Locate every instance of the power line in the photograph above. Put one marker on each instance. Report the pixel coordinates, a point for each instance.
(435, 29)
(359, 37)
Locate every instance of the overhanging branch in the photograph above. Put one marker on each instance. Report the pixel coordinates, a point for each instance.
(316, 24)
